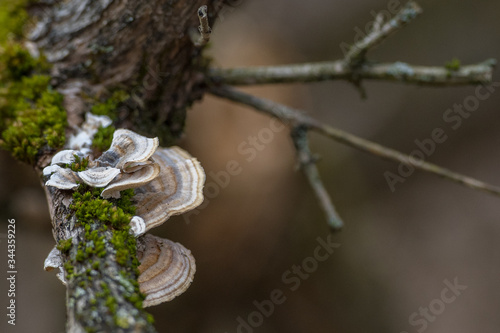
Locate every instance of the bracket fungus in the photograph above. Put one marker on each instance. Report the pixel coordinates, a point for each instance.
(127, 180)
(177, 189)
(66, 157)
(53, 261)
(128, 150)
(98, 177)
(167, 269)
(137, 226)
(62, 178)
(166, 182)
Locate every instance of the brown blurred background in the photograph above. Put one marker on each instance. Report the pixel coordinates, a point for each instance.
(397, 248)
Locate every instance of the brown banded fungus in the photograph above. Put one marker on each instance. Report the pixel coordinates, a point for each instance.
(166, 182)
(167, 269)
(177, 189)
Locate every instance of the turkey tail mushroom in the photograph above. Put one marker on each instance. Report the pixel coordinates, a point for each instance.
(166, 269)
(128, 149)
(177, 189)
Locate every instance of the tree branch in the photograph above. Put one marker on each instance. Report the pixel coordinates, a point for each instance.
(355, 68)
(297, 117)
(204, 28)
(380, 31)
(137, 50)
(480, 73)
(99, 290)
(307, 163)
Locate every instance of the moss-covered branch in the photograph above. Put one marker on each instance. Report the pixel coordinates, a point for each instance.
(99, 260)
(32, 117)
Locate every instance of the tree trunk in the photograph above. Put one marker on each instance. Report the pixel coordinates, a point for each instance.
(142, 47)
(97, 47)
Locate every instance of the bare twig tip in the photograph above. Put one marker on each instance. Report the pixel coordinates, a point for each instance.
(204, 27)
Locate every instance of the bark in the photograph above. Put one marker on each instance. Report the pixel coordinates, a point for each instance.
(97, 46)
(142, 47)
(98, 295)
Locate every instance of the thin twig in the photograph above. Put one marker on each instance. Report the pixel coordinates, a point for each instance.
(355, 68)
(296, 117)
(308, 166)
(381, 31)
(204, 28)
(480, 73)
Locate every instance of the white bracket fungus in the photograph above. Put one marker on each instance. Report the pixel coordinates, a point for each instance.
(137, 226)
(66, 157)
(98, 177)
(62, 178)
(53, 261)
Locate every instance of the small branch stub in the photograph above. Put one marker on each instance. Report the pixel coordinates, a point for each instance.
(204, 28)
(307, 163)
(382, 31)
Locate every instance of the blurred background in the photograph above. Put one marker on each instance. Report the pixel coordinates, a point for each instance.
(396, 250)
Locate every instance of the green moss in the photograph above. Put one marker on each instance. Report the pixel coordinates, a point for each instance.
(80, 255)
(32, 119)
(122, 322)
(65, 245)
(107, 233)
(80, 164)
(31, 115)
(103, 137)
(150, 318)
(16, 62)
(68, 267)
(110, 106)
(97, 215)
(125, 247)
(88, 206)
(125, 201)
(111, 303)
(453, 65)
(13, 16)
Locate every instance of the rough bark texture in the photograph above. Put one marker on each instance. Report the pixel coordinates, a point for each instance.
(100, 289)
(97, 46)
(142, 47)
